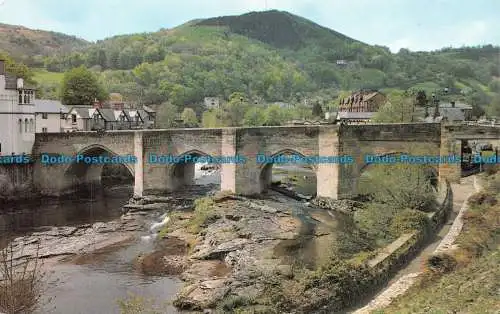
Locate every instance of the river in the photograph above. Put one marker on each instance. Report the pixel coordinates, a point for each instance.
(96, 285)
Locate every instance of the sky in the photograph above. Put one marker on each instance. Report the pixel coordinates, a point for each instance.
(413, 24)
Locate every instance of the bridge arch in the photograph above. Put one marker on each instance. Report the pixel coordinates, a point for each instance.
(431, 171)
(266, 168)
(83, 173)
(181, 173)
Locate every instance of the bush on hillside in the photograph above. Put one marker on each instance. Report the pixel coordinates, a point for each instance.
(441, 263)
(482, 198)
(408, 221)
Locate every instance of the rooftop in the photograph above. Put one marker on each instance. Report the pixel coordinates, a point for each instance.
(49, 106)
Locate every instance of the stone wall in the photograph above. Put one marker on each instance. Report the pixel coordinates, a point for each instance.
(16, 181)
(395, 255)
(386, 139)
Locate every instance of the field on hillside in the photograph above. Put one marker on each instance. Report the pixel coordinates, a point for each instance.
(43, 76)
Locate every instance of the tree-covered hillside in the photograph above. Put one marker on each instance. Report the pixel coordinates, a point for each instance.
(31, 46)
(273, 56)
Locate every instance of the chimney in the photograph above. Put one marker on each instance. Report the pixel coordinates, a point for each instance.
(453, 104)
(2, 67)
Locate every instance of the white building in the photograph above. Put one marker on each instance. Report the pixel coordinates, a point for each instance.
(211, 102)
(17, 115)
(48, 114)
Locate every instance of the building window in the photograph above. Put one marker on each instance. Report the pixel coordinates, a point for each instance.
(0, 148)
(26, 125)
(32, 126)
(20, 97)
(73, 118)
(20, 126)
(44, 130)
(26, 97)
(44, 115)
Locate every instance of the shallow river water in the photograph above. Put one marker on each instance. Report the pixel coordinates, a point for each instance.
(97, 285)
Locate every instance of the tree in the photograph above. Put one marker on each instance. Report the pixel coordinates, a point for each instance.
(493, 109)
(212, 118)
(80, 87)
(17, 69)
(189, 118)
(254, 117)
(274, 115)
(167, 114)
(234, 110)
(317, 111)
(400, 186)
(398, 108)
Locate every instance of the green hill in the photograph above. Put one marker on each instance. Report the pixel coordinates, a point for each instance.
(272, 55)
(26, 44)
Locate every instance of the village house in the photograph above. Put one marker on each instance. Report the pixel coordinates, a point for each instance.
(111, 115)
(17, 114)
(49, 116)
(211, 102)
(450, 112)
(360, 107)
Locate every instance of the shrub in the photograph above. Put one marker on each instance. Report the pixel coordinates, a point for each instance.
(204, 213)
(407, 221)
(21, 282)
(441, 263)
(482, 198)
(135, 304)
(231, 303)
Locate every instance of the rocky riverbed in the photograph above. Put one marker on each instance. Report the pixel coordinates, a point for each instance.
(238, 246)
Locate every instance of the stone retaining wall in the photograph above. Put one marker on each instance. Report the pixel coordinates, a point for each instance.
(407, 246)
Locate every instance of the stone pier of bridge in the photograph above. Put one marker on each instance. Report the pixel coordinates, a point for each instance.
(334, 180)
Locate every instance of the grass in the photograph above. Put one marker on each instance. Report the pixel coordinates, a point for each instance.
(46, 77)
(204, 213)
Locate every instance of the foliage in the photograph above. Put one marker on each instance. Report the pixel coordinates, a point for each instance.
(274, 115)
(204, 213)
(317, 111)
(255, 116)
(465, 280)
(398, 108)
(189, 118)
(212, 118)
(16, 68)
(482, 198)
(408, 220)
(135, 304)
(80, 87)
(22, 282)
(400, 186)
(272, 55)
(167, 114)
(440, 263)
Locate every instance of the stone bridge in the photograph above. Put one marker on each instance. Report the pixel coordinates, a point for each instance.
(333, 180)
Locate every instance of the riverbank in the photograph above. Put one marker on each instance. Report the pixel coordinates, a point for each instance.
(406, 277)
(462, 275)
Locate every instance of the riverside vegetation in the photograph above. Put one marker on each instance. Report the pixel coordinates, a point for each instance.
(265, 255)
(465, 279)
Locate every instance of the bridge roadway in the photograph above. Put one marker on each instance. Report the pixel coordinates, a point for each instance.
(333, 180)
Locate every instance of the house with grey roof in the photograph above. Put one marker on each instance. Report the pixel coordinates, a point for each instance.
(98, 118)
(49, 116)
(78, 119)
